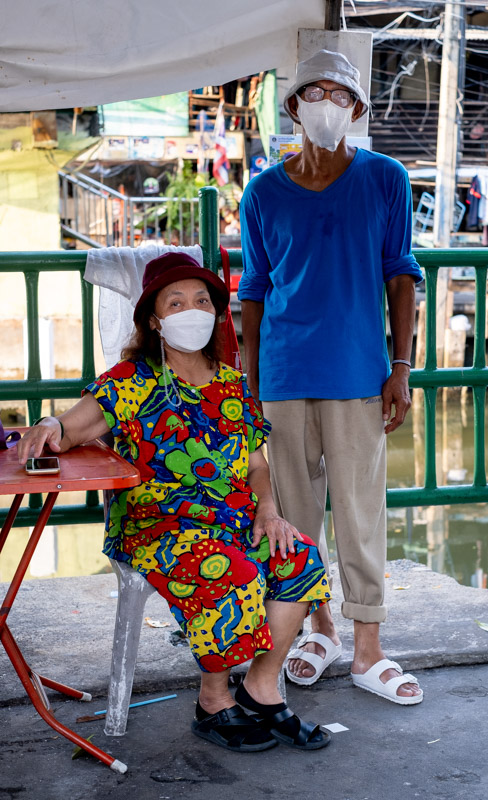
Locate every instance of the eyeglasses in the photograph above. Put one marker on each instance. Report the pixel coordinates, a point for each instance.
(340, 97)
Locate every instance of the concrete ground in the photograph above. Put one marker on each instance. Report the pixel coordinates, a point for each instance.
(434, 750)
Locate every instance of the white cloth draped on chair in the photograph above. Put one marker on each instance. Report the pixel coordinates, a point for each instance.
(118, 272)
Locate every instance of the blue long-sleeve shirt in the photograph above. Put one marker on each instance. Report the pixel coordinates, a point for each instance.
(319, 261)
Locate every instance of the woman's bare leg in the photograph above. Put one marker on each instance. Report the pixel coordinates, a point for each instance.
(284, 621)
(214, 692)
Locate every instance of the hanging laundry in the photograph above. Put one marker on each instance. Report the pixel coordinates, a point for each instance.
(473, 200)
(483, 204)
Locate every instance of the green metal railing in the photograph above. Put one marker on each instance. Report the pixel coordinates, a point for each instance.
(431, 379)
(34, 389)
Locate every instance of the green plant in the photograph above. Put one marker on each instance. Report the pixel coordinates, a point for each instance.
(184, 185)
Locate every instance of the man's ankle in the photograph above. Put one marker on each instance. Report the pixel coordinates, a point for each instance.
(325, 630)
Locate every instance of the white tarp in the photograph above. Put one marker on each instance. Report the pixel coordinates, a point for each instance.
(69, 53)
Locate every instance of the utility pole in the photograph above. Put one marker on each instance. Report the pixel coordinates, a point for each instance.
(332, 20)
(447, 149)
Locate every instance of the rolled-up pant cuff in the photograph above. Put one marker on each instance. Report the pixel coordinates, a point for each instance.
(364, 613)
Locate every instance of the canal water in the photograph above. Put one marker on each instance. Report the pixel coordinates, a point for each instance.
(451, 540)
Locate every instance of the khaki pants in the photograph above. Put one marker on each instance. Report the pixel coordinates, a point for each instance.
(339, 444)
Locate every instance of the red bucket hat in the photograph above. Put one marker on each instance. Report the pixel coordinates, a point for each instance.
(171, 267)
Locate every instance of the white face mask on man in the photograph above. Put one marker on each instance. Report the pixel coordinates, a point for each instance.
(187, 331)
(324, 123)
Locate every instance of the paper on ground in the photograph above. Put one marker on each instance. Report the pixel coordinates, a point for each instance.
(335, 727)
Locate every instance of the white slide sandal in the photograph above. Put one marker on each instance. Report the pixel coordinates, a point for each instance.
(319, 663)
(371, 682)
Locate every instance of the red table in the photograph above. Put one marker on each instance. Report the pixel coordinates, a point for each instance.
(91, 466)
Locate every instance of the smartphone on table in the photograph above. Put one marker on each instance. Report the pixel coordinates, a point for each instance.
(42, 466)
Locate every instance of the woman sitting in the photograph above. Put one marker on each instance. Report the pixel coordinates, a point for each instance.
(201, 526)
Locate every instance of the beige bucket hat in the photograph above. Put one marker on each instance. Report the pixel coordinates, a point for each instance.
(326, 66)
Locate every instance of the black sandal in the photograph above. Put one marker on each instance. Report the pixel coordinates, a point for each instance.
(233, 729)
(283, 724)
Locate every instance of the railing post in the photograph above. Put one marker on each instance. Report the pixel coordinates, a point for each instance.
(209, 226)
(131, 223)
(76, 202)
(479, 396)
(430, 318)
(109, 228)
(88, 354)
(124, 223)
(34, 361)
(64, 184)
(479, 355)
(430, 398)
(192, 222)
(181, 222)
(479, 392)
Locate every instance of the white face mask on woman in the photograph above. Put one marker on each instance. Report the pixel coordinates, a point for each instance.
(325, 123)
(187, 331)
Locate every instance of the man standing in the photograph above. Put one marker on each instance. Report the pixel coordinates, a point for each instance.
(322, 234)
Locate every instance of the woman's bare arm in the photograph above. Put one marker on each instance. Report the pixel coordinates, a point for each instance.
(83, 422)
(268, 523)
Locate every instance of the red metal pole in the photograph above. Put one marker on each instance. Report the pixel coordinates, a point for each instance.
(25, 674)
(25, 560)
(9, 521)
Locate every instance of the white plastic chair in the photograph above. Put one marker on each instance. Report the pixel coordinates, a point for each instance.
(423, 218)
(134, 591)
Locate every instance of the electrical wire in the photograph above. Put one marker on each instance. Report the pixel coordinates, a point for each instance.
(422, 3)
(480, 52)
(390, 47)
(412, 51)
(427, 91)
(402, 17)
(408, 69)
(474, 86)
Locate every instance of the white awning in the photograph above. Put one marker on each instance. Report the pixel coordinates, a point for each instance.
(72, 53)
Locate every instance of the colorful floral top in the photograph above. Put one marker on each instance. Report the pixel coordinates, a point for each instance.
(193, 459)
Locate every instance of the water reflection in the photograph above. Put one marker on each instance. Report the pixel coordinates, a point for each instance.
(449, 539)
(62, 552)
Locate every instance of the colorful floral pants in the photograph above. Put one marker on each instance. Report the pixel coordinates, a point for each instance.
(216, 586)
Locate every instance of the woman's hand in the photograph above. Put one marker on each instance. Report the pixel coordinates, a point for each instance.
(82, 423)
(279, 532)
(47, 432)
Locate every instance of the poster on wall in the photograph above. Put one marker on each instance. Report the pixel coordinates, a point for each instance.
(284, 145)
(166, 115)
(146, 148)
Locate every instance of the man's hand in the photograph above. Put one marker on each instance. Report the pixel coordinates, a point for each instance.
(401, 303)
(253, 384)
(395, 393)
